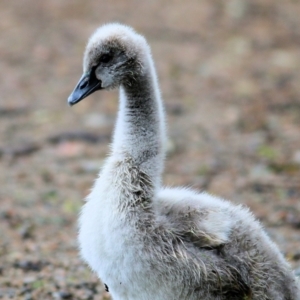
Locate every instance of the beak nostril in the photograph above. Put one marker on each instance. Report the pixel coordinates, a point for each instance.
(84, 84)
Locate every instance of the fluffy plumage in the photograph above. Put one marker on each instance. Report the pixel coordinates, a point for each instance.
(149, 242)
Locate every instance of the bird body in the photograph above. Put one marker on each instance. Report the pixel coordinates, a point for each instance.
(149, 242)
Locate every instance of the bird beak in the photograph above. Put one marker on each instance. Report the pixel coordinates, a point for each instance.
(87, 85)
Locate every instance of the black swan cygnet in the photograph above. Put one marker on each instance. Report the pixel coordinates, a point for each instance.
(147, 242)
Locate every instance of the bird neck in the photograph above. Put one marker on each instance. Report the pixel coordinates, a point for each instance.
(140, 128)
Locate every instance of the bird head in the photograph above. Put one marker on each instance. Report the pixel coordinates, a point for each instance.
(114, 56)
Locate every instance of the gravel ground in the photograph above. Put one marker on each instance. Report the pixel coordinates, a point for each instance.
(229, 74)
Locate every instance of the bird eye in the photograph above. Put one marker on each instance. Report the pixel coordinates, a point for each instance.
(105, 58)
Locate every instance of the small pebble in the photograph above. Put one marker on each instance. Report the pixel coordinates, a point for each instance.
(27, 265)
(63, 295)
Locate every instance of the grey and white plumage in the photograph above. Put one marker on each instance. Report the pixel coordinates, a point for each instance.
(149, 242)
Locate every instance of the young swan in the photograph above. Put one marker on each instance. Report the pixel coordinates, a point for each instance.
(147, 242)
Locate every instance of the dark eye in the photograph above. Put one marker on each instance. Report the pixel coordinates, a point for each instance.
(105, 58)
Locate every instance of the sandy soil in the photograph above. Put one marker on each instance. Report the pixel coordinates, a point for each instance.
(229, 74)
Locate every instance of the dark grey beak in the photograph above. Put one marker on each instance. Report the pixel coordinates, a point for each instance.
(87, 85)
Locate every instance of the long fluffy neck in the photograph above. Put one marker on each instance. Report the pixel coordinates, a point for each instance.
(140, 129)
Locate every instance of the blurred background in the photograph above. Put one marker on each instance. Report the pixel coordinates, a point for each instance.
(229, 74)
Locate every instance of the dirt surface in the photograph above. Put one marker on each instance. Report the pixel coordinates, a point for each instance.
(229, 73)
